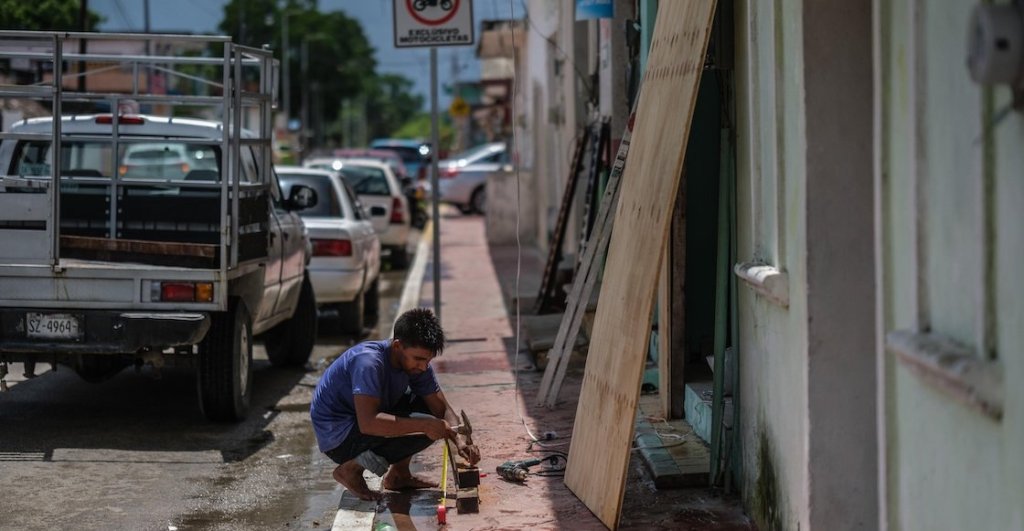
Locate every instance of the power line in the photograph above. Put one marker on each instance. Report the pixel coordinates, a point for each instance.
(123, 13)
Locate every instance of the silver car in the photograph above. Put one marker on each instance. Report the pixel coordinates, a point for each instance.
(345, 267)
(462, 178)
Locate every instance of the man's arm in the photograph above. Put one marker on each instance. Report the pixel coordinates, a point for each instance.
(373, 422)
(440, 407)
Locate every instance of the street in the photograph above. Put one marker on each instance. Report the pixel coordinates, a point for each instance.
(135, 452)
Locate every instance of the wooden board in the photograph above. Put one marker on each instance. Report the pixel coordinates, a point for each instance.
(602, 435)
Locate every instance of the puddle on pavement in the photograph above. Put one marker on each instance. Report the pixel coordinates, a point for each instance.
(404, 511)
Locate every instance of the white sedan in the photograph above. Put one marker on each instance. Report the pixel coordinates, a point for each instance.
(377, 186)
(345, 267)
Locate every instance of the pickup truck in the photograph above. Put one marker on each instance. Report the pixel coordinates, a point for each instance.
(164, 240)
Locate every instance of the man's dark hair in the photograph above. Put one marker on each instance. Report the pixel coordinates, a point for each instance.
(420, 328)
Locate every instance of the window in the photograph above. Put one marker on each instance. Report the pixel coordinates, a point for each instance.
(357, 206)
(328, 204)
(366, 180)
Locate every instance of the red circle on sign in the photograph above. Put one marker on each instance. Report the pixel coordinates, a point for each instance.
(427, 21)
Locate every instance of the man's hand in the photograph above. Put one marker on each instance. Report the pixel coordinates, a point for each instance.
(439, 429)
(468, 451)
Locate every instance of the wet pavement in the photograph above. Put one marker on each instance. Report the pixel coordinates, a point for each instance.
(481, 372)
(135, 453)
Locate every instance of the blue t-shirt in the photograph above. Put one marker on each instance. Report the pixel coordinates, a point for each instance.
(364, 369)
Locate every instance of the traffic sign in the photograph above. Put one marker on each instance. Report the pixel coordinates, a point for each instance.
(433, 23)
(459, 108)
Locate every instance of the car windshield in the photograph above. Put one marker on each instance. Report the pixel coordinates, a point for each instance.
(475, 154)
(366, 180)
(407, 154)
(138, 160)
(328, 204)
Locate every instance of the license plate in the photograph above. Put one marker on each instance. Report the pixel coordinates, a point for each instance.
(53, 325)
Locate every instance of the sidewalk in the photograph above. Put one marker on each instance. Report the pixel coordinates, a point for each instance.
(477, 374)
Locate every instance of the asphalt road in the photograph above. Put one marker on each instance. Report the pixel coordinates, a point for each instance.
(135, 453)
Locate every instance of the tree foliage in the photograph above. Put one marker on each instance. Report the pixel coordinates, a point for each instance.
(340, 63)
(40, 15)
(391, 103)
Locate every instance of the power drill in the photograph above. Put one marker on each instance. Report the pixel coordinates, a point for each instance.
(517, 470)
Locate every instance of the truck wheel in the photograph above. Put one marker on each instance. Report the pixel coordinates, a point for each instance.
(371, 304)
(225, 365)
(351, 316)
(290, 343)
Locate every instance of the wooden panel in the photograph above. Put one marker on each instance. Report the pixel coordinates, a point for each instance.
(602, 436)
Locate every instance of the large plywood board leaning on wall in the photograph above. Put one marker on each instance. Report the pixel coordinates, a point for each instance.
(602, 437)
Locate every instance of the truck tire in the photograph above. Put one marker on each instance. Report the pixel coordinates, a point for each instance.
(351, 316)
(291, 343)
(225, 365)
(371, 304)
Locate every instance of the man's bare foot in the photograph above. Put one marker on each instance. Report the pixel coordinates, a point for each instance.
(396, 481)
(350, 475)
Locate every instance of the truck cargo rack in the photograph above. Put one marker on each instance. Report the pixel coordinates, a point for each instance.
(200, 220)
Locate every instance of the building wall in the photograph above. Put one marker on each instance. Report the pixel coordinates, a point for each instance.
(773, 339)
(804, 208)
(949, 184)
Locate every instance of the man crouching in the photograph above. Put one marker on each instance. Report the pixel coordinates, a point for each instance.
(363, 407)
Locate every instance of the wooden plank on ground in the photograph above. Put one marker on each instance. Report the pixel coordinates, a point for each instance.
(603, 432)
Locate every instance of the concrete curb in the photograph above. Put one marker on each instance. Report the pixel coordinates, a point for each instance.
(414, 280)
(355, 514)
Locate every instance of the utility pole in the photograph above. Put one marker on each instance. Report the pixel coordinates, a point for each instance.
(286, 70)
(304, 65)
(83, 17)
(435, 146)
(149, 46)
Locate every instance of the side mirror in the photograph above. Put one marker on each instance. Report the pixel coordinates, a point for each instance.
(301, 197)
(407, 181)
(378, 211)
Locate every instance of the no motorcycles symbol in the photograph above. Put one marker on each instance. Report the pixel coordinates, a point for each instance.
(433, 23)
(448, 9)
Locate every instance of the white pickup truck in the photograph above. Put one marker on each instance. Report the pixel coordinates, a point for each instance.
(167, 240)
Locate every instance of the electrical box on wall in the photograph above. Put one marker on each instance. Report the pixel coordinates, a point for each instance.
(995, 47)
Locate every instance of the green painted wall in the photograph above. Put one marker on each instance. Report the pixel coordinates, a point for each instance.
(770, 188)
(947, 466)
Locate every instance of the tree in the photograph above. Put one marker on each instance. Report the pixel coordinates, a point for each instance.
(338, 55)
(49, 15)
(391, 103)
(340, 66)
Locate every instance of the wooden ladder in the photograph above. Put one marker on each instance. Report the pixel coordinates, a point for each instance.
(584, 280)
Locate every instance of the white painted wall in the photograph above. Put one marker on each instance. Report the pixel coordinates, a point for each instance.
(773, 340)
(950, 239)
(807, 371)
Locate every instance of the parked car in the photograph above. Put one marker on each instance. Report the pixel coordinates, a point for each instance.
(416, 154)
(415, 190)
(388, 156)
(376, 185)
(166, 160)
(462, 178)
(345, 267)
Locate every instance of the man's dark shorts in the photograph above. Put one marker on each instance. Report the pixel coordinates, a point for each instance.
(392, 449)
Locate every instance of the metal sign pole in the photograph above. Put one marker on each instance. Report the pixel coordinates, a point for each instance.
(435, 146)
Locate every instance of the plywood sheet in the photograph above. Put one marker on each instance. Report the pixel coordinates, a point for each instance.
(602, 436)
